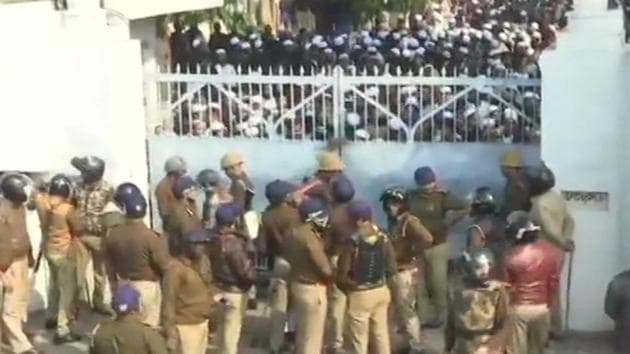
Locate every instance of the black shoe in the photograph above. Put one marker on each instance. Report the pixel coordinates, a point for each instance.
(556, 337)
(252, 304)
(103, 311)
(68, 338)
(51, 323)
(435, 324)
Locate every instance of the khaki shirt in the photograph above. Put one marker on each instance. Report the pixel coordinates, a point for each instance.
(550, 212)
(13, 233)
(60, 223)
(516, 196)
(277, 221)
(187, 293)
(135, 252)
(477, 317)
(91, 201)
(126, 335)
(242, 191)
(305, 252)
(165, 199)
(340, 231)
(184, 218)
(409, 239)
(431, 208)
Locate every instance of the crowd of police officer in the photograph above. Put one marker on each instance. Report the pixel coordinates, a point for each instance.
(335, 273)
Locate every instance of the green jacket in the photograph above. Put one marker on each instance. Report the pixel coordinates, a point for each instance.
(126, 335)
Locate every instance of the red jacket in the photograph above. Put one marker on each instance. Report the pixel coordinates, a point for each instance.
(533, 270)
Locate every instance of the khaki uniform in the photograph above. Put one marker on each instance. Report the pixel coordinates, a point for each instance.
(367, 303)
(340, 231)
(136, 255)
(550, 211)
(62, 249)
(242, 190)
(310, 272)
(14, 264)
(431, 208)
(277, 221)
(165, 199)
(184, 218)
(477, 317)
(516, 196)
(187, 304)
(126, 335)
(409, 239)
(91, 201)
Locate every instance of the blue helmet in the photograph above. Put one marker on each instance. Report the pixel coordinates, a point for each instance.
(278, 190)
(134, 205)
(342, 189)
(314, 210)
(123, 191)
(228, 214)
(424, 175)
(126, 299)
(359, 210)
(182, 185)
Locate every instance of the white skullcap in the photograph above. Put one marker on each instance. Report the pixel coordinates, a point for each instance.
(353, 119)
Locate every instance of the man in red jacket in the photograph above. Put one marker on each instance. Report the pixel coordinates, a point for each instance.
(532, 266)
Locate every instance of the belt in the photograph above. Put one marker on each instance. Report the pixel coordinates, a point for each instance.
(369, 286)
(471, 334)
(309, 282)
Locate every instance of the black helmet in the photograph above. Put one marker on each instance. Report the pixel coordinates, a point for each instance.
(540, 178)
(14, 187)
(60, 186)
(124, 191)
(478, 264)
(208, 178)
(521, 229)
(92, 168)
(134, 205)
(393, 194)
(483, 202)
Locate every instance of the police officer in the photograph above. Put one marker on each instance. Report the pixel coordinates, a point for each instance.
(126, 334)
(138, 257)
(430, 204)
(94, 193)
(532, 267)
(61, 247)
(341, 229)
(409, 239)
(216, 192)
(516, 192)
(234, 273)
(14, 260)
(366, 263)
(187, 296)
(616, 307)
(487, 229)
(310, 273)
(329, 166)
(242, 189)
(277, 220)
(174, 167)
(478, 307)
(550, 211)
(184, 216)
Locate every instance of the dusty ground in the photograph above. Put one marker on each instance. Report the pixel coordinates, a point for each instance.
(257, 325)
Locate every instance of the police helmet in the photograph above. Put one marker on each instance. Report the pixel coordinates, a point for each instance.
(15, 187)
(314, 210)
(91, 168)
(483, 202)
(60, 186)
(123, 191)
(540, 178)
(478, 264)
(394, 194)
(134, 205)
(521, 229)
(175, 164)
(277, 191)
(342, 189)
(208, 178)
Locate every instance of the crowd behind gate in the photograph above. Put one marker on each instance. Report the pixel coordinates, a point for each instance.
(334, 272)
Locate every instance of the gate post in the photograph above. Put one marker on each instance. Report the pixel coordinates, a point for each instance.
(338, 108)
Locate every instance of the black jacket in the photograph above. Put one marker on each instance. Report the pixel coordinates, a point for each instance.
(617, 307)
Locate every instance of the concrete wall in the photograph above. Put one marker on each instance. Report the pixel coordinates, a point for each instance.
(74, 88)
(585, 109)
(135, 9)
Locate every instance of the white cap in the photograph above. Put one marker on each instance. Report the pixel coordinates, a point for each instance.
(245, 45)
(470, 110)
(395, 123)
(447, 115)
(338, 41)
(396, 51)
(372, 91)
(411, 101)
(258, 43)
(362, 134)
(408, 90)
(234, 41)
(353, 119)
(446, 90)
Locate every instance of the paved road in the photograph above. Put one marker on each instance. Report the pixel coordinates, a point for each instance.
(257, 326)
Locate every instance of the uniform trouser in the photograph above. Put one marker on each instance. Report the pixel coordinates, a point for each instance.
(193, 339)
(279, 312)
(368, 322)
(310, 307)
(62, 291)
(337, 305)
(231, 317)
(93, 244)
(14, 304)
(557, 323)
(531, 329)
(150, 301)
(407, 290)
(436, 280)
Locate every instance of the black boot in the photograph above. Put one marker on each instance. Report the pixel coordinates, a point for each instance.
(51, 323)
(68, 338)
